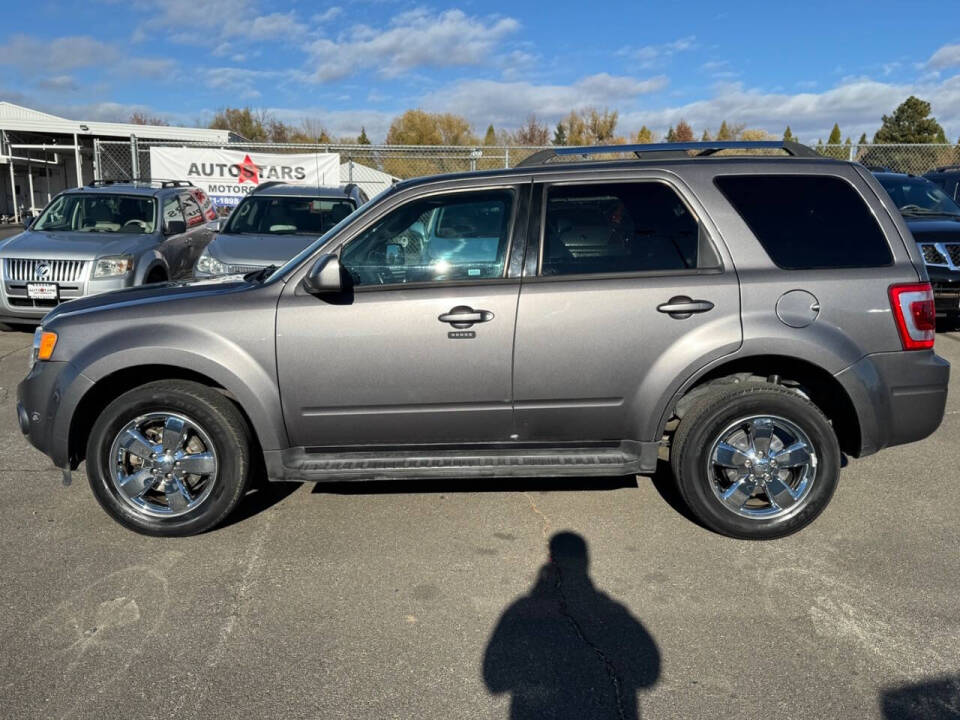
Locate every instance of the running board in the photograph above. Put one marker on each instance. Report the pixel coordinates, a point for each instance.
(297, 464)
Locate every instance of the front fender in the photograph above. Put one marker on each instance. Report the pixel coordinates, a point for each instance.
(248, 374)
(147, 261)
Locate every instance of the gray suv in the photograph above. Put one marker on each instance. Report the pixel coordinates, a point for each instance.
(105, 236)
(273, 223)
(750, 317)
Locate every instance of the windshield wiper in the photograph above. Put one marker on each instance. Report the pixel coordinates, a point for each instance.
(928, 211)
(261, 274)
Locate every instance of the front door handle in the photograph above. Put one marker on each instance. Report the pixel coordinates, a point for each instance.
(681, 307)
(463, 316)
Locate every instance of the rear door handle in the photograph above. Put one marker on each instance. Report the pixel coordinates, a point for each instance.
(681, 307)
(463, 316)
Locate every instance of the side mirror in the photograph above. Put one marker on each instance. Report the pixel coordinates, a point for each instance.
(175, 227)
(325, 276)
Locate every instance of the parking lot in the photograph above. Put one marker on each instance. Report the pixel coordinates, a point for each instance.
(381, 601)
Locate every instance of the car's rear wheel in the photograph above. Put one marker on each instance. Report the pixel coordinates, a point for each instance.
(755, 460)
(169, 458)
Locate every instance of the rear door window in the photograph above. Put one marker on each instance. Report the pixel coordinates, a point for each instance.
(808, 221)
(601, 228)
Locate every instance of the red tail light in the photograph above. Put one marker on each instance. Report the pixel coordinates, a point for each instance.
(914, 313)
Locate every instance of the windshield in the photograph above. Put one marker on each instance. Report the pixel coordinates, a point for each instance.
(287, 215)
(99, 212)
(327, 237)
(916, 196)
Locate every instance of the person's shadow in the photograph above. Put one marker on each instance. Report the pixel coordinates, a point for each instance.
(568, 650)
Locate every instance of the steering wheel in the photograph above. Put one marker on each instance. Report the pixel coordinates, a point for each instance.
(141, 223)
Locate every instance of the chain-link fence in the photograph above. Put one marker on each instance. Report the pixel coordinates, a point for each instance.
(119, 160)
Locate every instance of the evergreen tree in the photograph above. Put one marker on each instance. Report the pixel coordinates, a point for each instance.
(706, 136)
(671, 135)
(788, 135)
(559, 135)
(644, 135)
(910, 124)
(863, 139)
(363, 139)
(724, 133)
(491, 137)
(835, 137)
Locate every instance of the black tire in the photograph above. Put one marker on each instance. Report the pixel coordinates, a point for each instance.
(701, 427)
(210, 410)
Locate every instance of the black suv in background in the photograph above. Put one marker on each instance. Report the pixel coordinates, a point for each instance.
(948, 178)
(934, 219)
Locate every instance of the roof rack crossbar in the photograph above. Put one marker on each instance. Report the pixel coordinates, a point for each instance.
(665, 151)
(162, 182)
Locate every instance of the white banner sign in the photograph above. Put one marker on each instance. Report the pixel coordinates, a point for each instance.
(227, 176)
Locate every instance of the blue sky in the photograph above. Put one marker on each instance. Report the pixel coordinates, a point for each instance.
(363, 62)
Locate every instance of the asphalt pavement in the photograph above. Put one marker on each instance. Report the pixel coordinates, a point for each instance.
(435, 599)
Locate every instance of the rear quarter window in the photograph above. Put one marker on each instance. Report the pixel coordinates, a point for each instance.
(808, 221)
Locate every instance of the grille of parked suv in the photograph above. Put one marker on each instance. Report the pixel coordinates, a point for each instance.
(954, 250)
(60, 271)
(932, 256)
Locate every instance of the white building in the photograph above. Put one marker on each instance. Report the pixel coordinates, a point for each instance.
(42, 154)
(369, 179)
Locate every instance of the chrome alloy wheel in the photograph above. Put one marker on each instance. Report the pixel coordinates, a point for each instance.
(762, 467)
(163, 464)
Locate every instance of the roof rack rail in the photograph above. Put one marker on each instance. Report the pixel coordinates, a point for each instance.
(141, 181)
(264, 186)
(670, 151)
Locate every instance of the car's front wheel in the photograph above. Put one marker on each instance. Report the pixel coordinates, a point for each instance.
(755, 460)
(169, 458)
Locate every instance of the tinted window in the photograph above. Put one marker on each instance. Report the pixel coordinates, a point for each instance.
(451, 237)
(808, 221)
(622, 227)
(287, 215)
(917, 196)
(171, 210)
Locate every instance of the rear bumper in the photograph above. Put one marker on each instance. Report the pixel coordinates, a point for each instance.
(899, 397)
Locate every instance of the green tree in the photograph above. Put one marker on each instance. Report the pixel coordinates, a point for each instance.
(729, 132)
(671, 135)
(684, 132)
(591, 126)
(788, 135)
(362, 139)
(560, 135)
(245, 122)
(863, 139)
(910, 123)
(706, 137)
(490, 138)
(835, 137)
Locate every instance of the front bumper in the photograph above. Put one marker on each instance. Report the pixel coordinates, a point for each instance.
(16, 307)
(899, 397)
(946, 290)
(49, 388)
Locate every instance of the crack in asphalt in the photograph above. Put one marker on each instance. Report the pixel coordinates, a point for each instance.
(608, 666)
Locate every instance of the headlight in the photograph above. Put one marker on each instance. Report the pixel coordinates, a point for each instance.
(209, 265)
(44, 342)
(113, 266)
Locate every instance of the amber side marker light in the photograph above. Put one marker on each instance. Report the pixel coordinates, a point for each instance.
(48, 341)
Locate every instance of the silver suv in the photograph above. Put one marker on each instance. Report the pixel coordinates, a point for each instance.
(105, 236)
(750, 317)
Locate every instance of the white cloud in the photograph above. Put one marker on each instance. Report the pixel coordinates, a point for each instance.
(947, 56)
(33, 55)
(222, 20)
(650, 55)
(327, 15)
(340, 123)
(857, 106)
(413, 39)
(508, 103)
